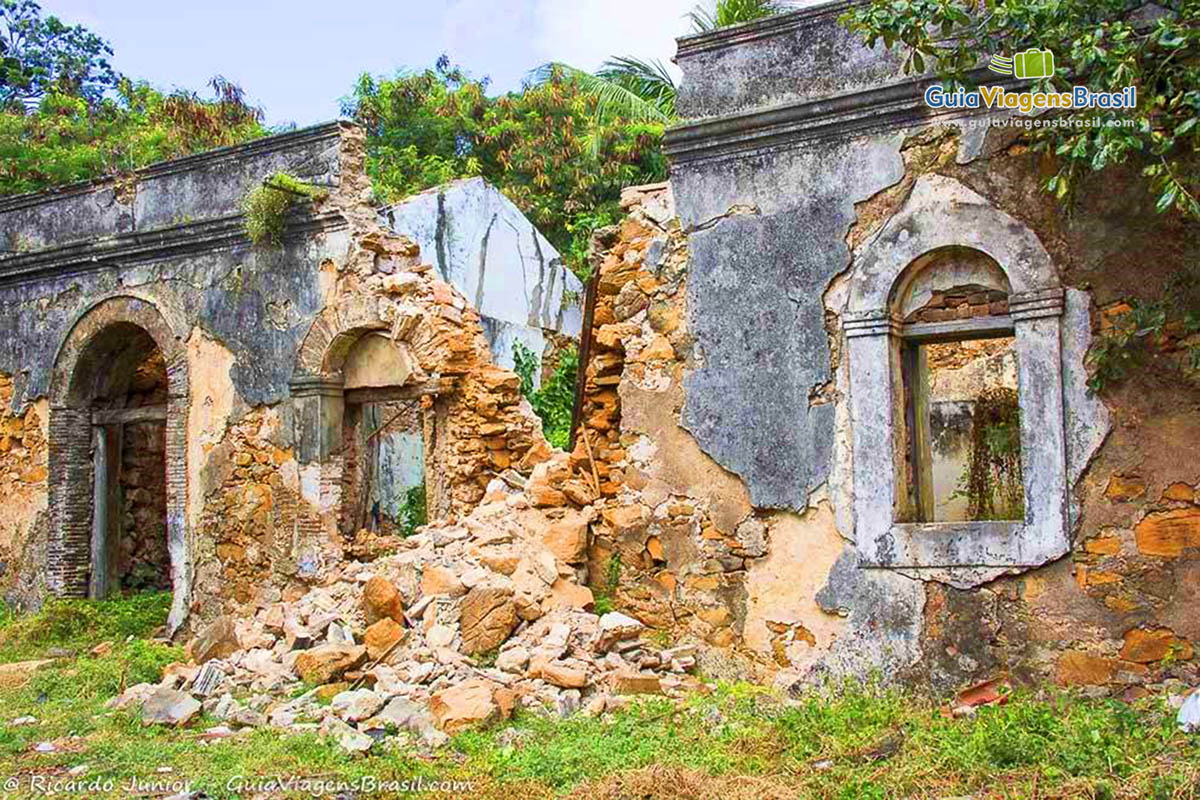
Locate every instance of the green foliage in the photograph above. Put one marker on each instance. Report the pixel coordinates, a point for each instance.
(43, 56)
(1096, 43)
(414, 513)
(623, 87)
(733, 12)
(605, 595)
(266, 207)
(79, 624)
(545, 147)
(991, 480)
(265, 210)
(67, 138)
(1131, 338)
(554, 402)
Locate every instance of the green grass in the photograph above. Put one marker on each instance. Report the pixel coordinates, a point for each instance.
(738, 743)
(79, 625)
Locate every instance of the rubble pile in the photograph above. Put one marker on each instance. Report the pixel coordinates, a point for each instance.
(457, 626)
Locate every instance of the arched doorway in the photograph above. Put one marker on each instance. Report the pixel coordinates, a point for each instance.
(117, 456)
(371, 425)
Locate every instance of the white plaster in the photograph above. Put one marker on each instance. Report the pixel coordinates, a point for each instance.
(942, 213)
(482, 244)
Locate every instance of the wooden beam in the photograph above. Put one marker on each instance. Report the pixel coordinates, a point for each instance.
(384, 394)
(585, 354)
(128, 416)
(959, 329)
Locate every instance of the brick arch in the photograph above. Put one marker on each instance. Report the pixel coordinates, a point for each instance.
(82, 364)
(72, 371)
(321, 356)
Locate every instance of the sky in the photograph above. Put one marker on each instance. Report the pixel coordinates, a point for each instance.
(297, 59)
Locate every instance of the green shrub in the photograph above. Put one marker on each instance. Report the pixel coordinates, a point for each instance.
(414, 513)
(554, 403)
(266, 207)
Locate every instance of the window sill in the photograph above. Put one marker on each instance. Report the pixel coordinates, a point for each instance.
(924, 545)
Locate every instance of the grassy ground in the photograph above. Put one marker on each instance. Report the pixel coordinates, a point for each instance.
(737, 743)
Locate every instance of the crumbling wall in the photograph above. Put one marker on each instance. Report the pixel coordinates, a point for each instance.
(680, 542)
(239, 326)
(778, 592)
(23, 517)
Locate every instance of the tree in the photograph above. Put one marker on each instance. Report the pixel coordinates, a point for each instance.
(733, 12)
(546, 147)
(1105, 45)
(66, 138)
(641, 89)
(623, 87)
(39, 55)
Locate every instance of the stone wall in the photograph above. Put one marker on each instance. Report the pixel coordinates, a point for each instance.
(24, 523)
(253, 342)
(719, 392)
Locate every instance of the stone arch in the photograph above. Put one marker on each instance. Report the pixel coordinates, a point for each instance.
(942, 213)
(942, 216)
(99, 345)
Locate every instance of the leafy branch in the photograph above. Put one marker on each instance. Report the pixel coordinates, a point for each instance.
(1105, 45)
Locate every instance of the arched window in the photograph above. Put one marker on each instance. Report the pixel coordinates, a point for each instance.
(956, 396)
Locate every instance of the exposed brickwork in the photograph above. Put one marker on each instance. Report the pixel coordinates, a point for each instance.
(961, 302)
(70, 468)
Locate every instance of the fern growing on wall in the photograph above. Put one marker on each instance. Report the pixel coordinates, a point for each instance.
(266, 207)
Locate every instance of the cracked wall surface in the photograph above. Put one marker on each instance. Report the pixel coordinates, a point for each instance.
(717, 400)
(255, 342)
(480, 243)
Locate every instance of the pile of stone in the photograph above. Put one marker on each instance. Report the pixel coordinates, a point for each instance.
(463, 623)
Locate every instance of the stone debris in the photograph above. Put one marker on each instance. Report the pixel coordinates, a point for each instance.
(455, 627)
(1189, 713)
(169, 707)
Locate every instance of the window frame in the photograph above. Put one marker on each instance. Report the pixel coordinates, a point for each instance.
(912, 337)
(942, 213)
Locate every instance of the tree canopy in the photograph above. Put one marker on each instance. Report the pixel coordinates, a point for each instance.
(545, 147)
(1105, 45)
(67, 138)
(66, 115)
(43, 55)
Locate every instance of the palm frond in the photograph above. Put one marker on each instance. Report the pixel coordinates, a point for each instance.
(733, 12)
(614, 96)
(648, 79)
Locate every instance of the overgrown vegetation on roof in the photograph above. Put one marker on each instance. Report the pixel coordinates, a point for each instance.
(266, 207)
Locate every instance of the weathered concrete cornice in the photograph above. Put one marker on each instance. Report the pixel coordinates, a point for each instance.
(892, 107)
(144, 246)
(205, 160)
(778, 25)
